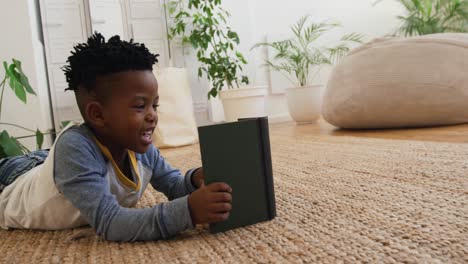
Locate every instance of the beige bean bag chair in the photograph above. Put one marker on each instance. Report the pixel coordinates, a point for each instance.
(176, 124)
(400, 82)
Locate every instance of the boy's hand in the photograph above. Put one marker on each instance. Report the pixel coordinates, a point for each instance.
(210, 203)
(198, 177)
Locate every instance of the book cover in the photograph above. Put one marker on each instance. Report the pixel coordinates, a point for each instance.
(238, 153)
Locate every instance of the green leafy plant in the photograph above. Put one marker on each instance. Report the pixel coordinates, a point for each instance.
(433, 16)
(204, 25)
(296, 57)
(19, 83)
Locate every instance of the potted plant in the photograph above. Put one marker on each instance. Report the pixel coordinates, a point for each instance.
(19, 83)
(429, 17)
(204, 25)
(298, 57)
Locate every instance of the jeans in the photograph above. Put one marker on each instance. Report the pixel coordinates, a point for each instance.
(12, 167)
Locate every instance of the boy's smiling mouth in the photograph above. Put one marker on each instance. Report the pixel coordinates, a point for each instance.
(147, 135)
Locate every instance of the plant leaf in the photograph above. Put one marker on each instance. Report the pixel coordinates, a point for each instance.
(245, 80)
(63, 124)
(353, 37)
(39, 139)
(204, 26)
(23, 79)
(200, 73)
(433, 16)
(16, 86)
(2, 152)
(212, 93)
(233, 35)
(10, 146)
(241, 57)
(7, 71)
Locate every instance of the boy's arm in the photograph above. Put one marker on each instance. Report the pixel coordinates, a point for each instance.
(79, 173)
(170, 181)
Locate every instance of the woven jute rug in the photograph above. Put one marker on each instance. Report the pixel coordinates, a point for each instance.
(339, 199)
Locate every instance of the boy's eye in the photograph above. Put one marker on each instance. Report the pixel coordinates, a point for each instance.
(140, 106)
(155, 106)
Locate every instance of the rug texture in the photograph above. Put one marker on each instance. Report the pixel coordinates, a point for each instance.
(339, 199)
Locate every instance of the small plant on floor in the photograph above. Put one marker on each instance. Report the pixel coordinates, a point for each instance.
(204, 25)
(297, 57)
(432, 16)
(19, 83)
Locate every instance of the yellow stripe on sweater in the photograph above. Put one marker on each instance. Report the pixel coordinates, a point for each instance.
(122, 178)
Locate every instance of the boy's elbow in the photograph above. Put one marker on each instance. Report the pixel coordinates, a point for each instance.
(115, 237)
(113, 231)
(119, 237)
(115, 234)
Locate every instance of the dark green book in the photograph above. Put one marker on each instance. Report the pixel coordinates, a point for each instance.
(238, 153)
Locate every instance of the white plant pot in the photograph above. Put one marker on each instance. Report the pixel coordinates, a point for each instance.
(243, 102)
(304, 103)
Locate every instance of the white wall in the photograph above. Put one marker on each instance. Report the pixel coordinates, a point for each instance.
(21, 40)
(254, 20)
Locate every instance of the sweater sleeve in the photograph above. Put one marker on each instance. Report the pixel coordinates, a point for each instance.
(79, 174)
(170, 181)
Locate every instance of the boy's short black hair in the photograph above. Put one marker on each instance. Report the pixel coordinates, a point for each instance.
(97, 58)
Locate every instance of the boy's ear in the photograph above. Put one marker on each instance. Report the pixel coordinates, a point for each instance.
(95, 114)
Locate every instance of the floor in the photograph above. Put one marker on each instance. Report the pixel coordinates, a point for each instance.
(454, 134)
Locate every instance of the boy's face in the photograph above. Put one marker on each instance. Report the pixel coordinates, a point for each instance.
(129, 111)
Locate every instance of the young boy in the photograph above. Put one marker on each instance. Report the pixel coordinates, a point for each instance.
(97, 170)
